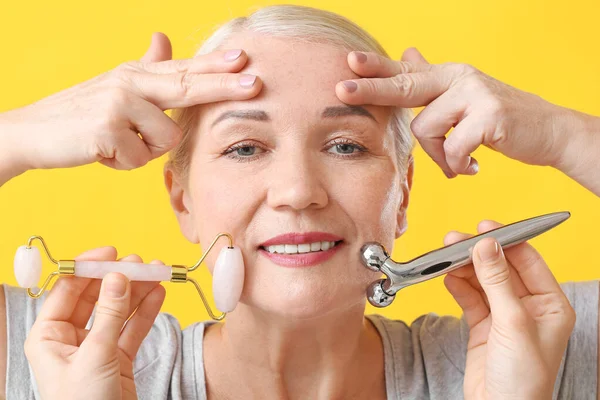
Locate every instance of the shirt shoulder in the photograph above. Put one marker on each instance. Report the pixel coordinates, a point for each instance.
(169, 364)
(424, 359)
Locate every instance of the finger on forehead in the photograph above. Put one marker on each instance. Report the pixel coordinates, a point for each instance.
(65, 294)
(188, 89)
(403, 90)
(529, 265)
(214, 62)
(373, 65)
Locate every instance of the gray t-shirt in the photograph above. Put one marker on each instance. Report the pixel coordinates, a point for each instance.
(423, 360)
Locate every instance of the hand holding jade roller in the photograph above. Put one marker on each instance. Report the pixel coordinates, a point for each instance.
(228, 273)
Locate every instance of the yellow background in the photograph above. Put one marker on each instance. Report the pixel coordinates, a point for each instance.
(544, 46)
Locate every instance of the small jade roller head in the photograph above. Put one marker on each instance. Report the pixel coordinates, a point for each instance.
(28, 266)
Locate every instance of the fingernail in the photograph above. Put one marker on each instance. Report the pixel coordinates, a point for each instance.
(474, 168)
(113, 286)
(232, 55)
(247, 81)
(489, 253)
(449, 174)
(360, 57)
(350, 86)
(468, 162)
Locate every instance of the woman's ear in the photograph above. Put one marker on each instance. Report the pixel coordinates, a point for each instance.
(181, 203)
(402, 223)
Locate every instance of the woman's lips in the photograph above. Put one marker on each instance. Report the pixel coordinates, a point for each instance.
(302, 259)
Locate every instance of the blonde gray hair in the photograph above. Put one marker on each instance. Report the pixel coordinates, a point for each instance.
(305, 24)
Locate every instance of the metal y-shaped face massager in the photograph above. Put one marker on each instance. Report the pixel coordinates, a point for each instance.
(228, 274)
(382, 292)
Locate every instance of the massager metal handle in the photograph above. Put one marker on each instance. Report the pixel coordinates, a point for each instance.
(441, 261)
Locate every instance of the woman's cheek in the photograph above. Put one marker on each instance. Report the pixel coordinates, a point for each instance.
(227, 207)
(380, 206)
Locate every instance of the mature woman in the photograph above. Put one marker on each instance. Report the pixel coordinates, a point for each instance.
(292, 130)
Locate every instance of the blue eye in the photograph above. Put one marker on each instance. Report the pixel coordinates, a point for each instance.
(245, 151)
(346, 149)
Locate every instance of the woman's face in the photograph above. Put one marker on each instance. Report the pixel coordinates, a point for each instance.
(294, 160)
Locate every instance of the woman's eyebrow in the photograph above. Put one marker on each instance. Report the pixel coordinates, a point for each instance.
(343, 111)
(255, 115)
(329, 112)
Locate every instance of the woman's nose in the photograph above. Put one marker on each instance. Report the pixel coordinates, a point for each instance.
(296, 182)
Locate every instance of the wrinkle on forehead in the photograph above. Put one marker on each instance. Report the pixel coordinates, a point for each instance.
(293, 63)
(297, 74)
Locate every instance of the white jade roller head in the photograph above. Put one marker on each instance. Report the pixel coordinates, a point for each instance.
(28, 266)
(228, 274)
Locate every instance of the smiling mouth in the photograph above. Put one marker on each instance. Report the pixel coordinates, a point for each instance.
(302, 248)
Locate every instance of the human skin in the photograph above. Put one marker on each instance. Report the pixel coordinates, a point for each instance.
(283, 340)
(277, 375)
(296, 181)
(482, 111)
(98, 120)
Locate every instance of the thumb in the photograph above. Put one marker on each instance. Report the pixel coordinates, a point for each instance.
(493, 273)
(160, 48)
(111, 312)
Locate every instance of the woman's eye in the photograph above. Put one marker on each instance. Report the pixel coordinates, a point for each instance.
(345, 148)
(245, 151)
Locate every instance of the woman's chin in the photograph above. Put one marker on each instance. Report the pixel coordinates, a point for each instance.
(304, 302)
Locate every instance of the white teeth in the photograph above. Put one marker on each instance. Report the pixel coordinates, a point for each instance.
(291, 248)
(300, 248)
(303, 248)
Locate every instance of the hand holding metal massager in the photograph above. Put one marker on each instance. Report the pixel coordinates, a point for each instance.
(228, 274)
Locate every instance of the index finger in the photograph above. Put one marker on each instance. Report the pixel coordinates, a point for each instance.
(214, 62)
(186, 89)
(64, 295)
(373, 65)
(409, 90)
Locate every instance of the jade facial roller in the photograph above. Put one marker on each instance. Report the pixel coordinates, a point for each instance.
(228, 274)
(399, 275)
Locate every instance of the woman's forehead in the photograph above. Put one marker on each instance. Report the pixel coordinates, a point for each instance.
(297, 75)
(294, 65)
